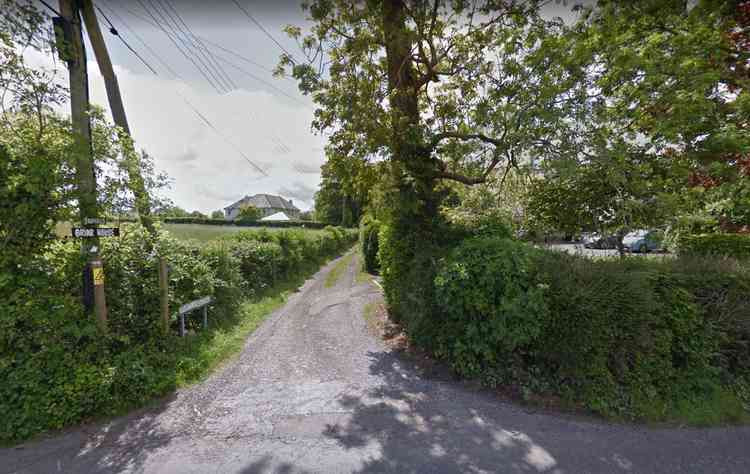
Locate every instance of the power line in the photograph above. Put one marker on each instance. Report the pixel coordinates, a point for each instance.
(140, 39)
(193, 108)
(250, 74)
(113, 30)
(208, 122)
(50, 7)
(239, 68)
(202, 47)
(243, 58)
(189, 44)
(207, 41)
(174, 42)
(257, 23)
(197, 60)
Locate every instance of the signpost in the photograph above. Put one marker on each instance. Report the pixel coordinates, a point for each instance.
(193, 305)
(92, 232)
(93, 277)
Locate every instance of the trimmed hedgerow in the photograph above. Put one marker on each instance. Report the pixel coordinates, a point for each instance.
(726, 245)
(245, 223)
(58, 369)
(369, 228)
(632, 338)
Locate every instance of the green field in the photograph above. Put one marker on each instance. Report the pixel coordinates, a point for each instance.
(199, 232)
(204, 233)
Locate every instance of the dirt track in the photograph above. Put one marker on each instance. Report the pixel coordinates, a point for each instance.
(314, 391)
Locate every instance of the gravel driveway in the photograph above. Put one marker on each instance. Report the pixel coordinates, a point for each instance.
(313, 391)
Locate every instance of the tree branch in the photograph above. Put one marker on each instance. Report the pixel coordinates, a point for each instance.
(464, 137)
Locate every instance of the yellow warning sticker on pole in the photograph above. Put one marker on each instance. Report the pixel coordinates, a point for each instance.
(98, 276)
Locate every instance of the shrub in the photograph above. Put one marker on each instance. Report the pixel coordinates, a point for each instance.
(628, 338)
(368, 240)
(491, 305)
(622, 339)
(726, 245)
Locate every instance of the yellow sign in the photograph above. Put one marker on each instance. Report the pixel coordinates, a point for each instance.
(98, 276)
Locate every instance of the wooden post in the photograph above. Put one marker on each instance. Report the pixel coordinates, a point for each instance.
(75, 56)
(164, 293)
(100, 302)
(205, 317)
(135, 178)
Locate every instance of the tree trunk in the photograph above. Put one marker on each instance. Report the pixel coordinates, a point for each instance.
(413, 210)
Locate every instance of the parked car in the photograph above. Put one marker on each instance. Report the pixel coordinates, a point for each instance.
(642, 241)
(598, 241)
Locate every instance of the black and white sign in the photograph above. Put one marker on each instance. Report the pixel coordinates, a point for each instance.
(83, 232)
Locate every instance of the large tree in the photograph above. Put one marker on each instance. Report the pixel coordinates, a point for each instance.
(439, 91)
(674, 74)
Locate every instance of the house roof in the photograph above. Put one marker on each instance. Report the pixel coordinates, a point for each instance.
(264, 201)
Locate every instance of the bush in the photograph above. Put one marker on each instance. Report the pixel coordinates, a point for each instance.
(368, 240)
(491, 305)
(627, 338)
(725, 245)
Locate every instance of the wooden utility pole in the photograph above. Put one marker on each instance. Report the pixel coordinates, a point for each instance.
(75, 56)
(131, 158)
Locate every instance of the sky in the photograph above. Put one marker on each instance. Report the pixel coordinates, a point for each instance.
(264, 117)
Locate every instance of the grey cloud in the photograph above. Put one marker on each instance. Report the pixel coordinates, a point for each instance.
(298, 191)
(188, 156)
(217, 194)
(306, 168)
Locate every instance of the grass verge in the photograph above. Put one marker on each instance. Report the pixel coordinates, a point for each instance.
(201, 353)
(338, 270)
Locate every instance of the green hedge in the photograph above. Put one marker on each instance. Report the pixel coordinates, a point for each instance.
(726, 245)
(245, 223)
(368, 241)
(633, 338)
(58, 369)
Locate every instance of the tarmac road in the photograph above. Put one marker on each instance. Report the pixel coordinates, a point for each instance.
(314, 391)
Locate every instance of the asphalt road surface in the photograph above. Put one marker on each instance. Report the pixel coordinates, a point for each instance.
(314, 391)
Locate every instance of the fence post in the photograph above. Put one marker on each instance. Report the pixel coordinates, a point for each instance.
(164, 293)
(205, 317)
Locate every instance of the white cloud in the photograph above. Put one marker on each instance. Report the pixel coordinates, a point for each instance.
(208, 173)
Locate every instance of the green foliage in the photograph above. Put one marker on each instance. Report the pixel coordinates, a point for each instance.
(30, 201)
(217, 214)
(491, 305)
(59, 369)
(631, 338)
(724, 245)
(369, 228)
(248, 214)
